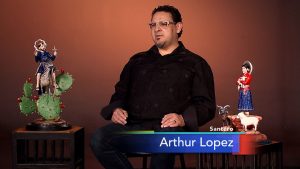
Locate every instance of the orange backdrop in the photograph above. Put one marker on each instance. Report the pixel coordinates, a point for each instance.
(95, 38)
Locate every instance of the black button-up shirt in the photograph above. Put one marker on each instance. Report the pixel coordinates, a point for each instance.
(152, 85)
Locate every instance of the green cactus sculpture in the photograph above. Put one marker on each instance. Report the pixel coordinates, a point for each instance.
(27, 105)
(48, 106)
(27, 89)
(64, 82)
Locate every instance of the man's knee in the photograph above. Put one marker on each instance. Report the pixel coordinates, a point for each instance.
(97, 140)
(101, 139)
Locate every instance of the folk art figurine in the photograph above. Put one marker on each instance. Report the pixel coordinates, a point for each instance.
(49, 87)
(45, 74)
(223, 112)
(245, 97)
(243, 121)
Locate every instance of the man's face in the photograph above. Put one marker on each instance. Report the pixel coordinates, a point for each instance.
(164, 33)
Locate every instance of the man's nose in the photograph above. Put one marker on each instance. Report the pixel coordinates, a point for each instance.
(157, 28)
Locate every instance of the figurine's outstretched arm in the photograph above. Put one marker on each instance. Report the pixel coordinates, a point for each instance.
(55, 51)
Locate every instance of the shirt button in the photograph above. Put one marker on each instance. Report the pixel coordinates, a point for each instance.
(186, 75)
(156, 105)
(171, 90)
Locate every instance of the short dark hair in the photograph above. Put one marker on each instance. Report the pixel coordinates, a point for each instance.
(176, 16)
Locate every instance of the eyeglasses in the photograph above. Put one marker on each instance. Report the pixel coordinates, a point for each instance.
(162, 24)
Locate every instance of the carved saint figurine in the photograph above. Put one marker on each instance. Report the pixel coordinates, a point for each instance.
(45, 74)
(245, 97)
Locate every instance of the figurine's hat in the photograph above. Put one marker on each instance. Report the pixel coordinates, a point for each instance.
(248, 65)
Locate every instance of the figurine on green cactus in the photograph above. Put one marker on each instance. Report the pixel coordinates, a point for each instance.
(48, 104)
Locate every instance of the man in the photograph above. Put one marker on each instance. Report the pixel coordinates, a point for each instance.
(166, 88)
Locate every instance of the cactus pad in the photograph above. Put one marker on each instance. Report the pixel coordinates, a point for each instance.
(57, 92)
(27, 105)
(49, 106)
(27, 89)
(64, 81)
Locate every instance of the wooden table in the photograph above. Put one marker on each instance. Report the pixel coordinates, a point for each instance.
(48, 149)
(266, 156)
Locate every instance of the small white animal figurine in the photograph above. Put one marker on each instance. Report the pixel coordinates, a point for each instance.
(245, 120)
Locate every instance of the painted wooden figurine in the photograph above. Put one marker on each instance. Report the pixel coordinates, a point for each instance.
(45, 74)
(245, 97)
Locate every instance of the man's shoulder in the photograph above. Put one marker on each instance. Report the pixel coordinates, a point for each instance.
(191, 56)
(139, 55)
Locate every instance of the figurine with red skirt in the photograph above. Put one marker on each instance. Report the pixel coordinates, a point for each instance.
(245, 97)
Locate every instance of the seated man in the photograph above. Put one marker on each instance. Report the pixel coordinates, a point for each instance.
(167, 88)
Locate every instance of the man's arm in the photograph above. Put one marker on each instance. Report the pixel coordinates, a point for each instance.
(203, 105)
(118, 98)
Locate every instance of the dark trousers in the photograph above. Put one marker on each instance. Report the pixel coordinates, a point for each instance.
(102, 144)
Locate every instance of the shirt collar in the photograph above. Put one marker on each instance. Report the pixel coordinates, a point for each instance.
(180, 49)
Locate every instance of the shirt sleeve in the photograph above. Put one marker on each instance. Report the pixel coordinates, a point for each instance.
(121, 88)
(52, 57)
(38, 57)
(203, 105)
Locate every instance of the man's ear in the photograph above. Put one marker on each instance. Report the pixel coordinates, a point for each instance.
(179, 27)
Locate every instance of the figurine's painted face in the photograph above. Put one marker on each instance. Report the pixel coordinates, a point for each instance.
(244, 70)
(164, 30)
(42, 46)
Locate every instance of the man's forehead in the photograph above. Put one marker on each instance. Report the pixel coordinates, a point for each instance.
(162, 16)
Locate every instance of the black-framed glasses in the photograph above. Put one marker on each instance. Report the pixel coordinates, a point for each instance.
(161, 24)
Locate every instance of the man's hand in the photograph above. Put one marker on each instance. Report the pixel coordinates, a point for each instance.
(119, 116)
(172, 120)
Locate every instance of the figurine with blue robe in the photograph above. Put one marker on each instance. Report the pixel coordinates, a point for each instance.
(245, 96)
(45, 73)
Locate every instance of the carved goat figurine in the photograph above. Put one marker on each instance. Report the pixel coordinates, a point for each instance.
(223, 111)
(249, 120)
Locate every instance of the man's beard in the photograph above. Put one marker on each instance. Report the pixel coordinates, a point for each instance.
(160, 45)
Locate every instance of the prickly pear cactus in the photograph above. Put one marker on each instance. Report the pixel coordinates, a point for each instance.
(27, 89)
(48, 106)
(64, 81)
(27, 105)
(57, 92)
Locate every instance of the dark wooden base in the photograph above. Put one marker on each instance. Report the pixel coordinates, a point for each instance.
(45, 125)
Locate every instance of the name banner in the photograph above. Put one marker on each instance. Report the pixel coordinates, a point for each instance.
(180, 142)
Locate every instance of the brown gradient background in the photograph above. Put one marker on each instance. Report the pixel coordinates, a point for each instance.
(96, 38)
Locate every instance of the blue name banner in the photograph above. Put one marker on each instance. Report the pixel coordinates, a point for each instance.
(180, 142)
